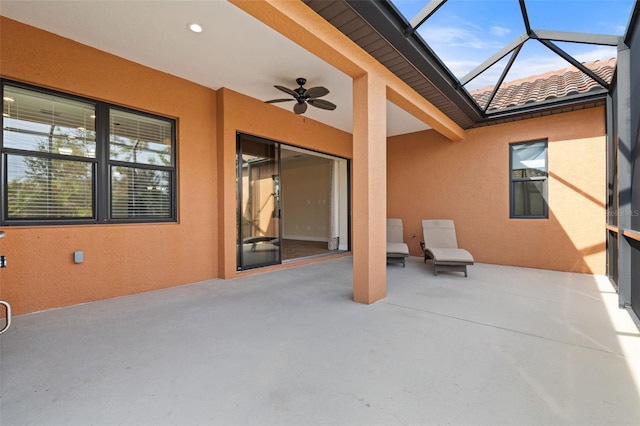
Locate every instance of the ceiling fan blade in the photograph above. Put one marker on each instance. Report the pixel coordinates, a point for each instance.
(321, 103)
(278, 100)
(286, 90)
(300, 108)
(316, 92)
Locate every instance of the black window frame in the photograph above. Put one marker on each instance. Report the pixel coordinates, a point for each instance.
(544, 179)
(101, 165)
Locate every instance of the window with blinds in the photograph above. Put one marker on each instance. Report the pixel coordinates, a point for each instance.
(528, 180)
(73, 160)
(49, 147)
(140, 157)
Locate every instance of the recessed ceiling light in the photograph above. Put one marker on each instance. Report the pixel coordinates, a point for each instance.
(8, 99)
(196, 28)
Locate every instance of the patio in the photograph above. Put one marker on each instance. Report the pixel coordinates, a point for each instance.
(505, 346)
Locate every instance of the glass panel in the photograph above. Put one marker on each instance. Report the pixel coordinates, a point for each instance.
(594, 57)
(465, 33)
(41, 122)
(527, 81)
(309, 196)
(594, 16)
(140, 193)
(481, 87)
(42, 187)
(136, 138)
(528, 198)
(612, 257)
(259, 215)
(529, 160)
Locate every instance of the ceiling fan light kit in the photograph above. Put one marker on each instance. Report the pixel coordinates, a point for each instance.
(304, 96)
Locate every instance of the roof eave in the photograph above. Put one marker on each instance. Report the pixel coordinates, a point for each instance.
(391, 25)
(546, 107)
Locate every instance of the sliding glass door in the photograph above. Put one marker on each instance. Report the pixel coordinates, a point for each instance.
(292, 203)
(259, 230)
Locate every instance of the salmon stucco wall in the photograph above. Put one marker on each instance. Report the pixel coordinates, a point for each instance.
(118, 259)
(430, 177)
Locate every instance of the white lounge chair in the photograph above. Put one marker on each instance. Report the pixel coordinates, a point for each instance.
(397, 250)
(440, 245)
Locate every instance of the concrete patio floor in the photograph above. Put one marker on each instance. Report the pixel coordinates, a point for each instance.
(504, 346)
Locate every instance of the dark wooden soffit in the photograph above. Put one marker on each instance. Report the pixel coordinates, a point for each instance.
(379, 30)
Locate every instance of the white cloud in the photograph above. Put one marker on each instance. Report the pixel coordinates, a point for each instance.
(534, 65)
(463, 45)
(614, 28)
(460, 67)
(461, 33)
(461, 62)
(597, 53)
(499, 31)
(440, 38)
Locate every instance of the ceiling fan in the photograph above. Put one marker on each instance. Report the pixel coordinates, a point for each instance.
(304, 96)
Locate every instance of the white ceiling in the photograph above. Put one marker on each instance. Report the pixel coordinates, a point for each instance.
(234, 51)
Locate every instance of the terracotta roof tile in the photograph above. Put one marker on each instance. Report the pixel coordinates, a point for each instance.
(550, 85)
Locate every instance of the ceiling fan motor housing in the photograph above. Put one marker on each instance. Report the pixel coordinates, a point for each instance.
(301, 90)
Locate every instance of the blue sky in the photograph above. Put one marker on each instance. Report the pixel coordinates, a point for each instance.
(463, 33)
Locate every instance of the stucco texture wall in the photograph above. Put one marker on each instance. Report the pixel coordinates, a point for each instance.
(430, 177)
(128, 259)
(118, 259)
